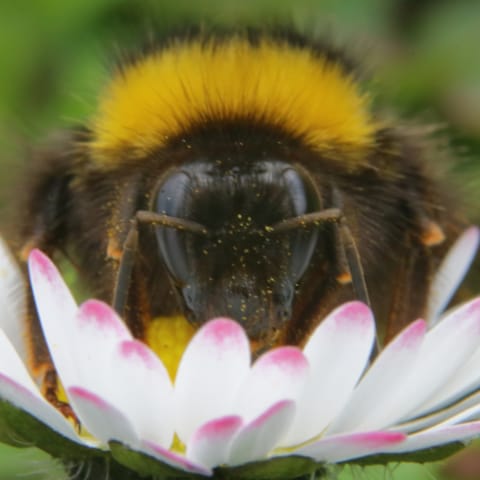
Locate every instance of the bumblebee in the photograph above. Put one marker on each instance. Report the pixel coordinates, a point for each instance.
(242, 174)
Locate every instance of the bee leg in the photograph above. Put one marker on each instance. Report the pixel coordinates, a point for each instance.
(348, 259)
(354, 262)
(50, 392)
(349, 266)
(124, 274)
(356, 269)
(344, 275)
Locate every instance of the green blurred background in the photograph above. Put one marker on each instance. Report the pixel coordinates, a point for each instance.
(422, 55)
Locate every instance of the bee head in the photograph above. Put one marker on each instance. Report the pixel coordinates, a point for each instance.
(238, 267)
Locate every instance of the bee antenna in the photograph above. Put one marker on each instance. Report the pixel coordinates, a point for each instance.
(153, 218)
(306, 220)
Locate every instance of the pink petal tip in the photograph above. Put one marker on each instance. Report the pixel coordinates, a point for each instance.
(102, 316)
(354, 314)
(221, 331)
(411, 335)
(39, 262)
(290, 358)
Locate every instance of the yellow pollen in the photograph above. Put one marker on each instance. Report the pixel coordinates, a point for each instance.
(168, 337)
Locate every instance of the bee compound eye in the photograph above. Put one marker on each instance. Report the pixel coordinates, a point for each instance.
(295, 188)
(304, 198)
(172, 200)
(302, 246)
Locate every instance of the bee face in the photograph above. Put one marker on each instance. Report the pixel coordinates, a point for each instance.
(241, 176)
(237, 267)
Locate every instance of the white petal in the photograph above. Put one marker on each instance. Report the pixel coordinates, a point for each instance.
(56, 309)
(121, 371)
(12, 366)
(277, 375)
(338, 352)
(437, 437)
(379, 397)
(213, 366)
(37, 406)
(172, 459)
(141, 389)
(18, 388)
(97, 331)
(438, 416)
(100, 418)
(209, 445)
(465, 381)
(451, 272)
(341, 448)
(83, 354)
(99, 323)
(466, 415)
(445, 349)
(12, 300)
(259, 437)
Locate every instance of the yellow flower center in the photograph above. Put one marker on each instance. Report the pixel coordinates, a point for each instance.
(168, 337)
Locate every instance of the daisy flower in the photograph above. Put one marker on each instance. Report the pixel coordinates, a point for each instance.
(289, 413)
